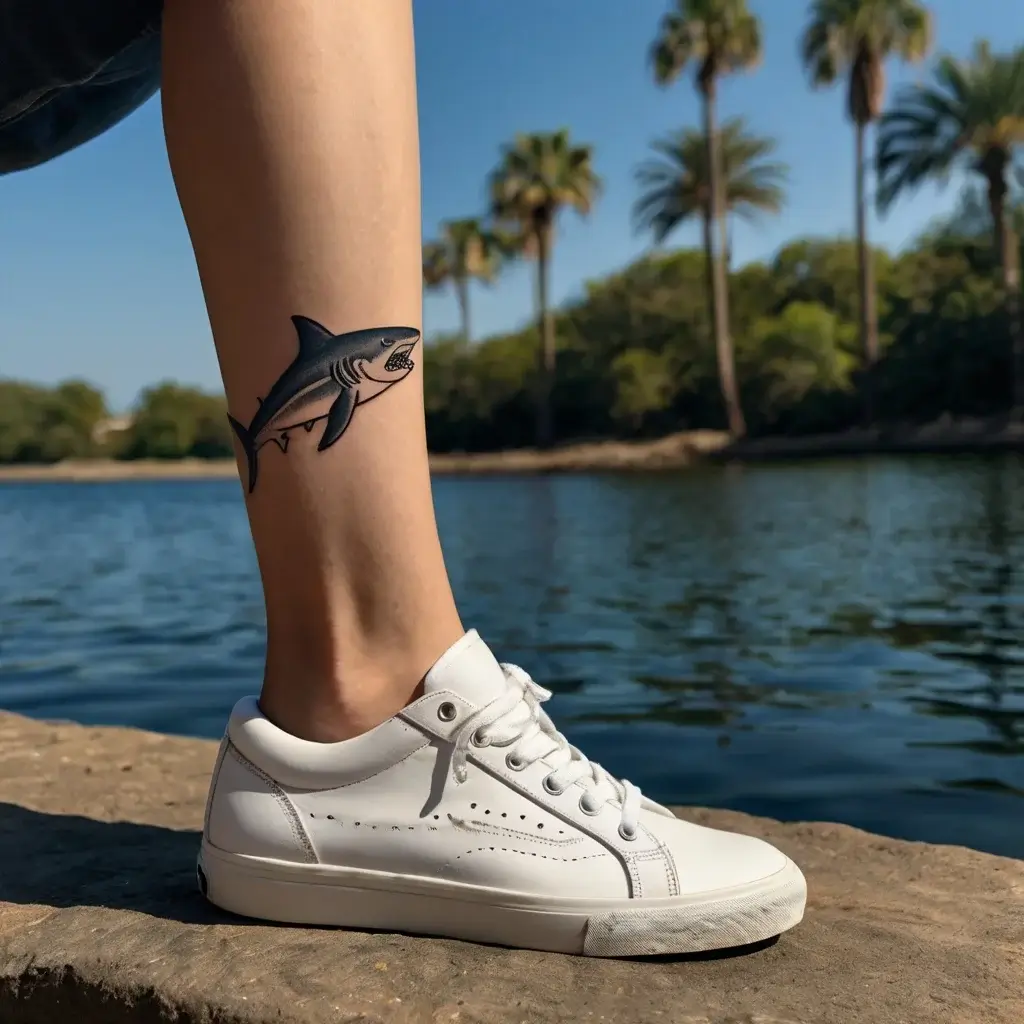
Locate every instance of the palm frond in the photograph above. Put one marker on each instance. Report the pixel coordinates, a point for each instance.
(714, 36)
(674, 182)
(538, 176)
(970, 114)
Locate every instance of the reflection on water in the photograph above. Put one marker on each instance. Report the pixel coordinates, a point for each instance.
(837, 640)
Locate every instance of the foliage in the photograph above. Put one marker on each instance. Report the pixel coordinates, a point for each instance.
(635, 356)
(644, 350)
(539, 176)
(971, 114)
(644, 386)
(718, 37)
(175, 422)
(466, 250)
(855, 37)
(675, 184)
(40, 424)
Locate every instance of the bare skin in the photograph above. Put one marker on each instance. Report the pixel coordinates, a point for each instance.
(292, 134)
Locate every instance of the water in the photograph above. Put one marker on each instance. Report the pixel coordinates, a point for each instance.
(818, 641)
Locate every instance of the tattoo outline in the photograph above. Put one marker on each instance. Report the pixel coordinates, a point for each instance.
(350, 369)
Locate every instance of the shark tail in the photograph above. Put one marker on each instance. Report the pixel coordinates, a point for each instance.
(245, 439)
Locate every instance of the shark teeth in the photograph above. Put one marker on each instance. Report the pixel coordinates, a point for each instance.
(399, 359)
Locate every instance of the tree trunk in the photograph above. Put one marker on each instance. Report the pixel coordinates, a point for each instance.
(1007, 254)
(718, 283)
(866, 283)
(462, 292)
(546, 374)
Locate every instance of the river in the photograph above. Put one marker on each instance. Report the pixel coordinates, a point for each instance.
(837, 640)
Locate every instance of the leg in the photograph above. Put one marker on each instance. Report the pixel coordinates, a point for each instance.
(291, 128)
(292, 131)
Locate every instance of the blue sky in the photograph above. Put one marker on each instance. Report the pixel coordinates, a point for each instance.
(96, 273)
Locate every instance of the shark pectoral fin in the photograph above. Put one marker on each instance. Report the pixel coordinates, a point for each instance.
(312, 336)
(338, 418)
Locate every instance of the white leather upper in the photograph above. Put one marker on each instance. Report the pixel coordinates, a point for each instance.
(389, 801)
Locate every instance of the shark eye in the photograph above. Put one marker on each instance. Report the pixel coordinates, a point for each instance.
(387, 342)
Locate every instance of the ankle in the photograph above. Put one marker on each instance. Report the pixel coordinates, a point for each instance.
(322, 715)
(350, 695)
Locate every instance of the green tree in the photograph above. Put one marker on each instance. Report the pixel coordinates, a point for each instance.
(970, 115)
(644, 385)
(466, 250)
(854, 38)
(675, 184)
(40, 424)
(72, 414)
(800, 358)
(718, 37)
(540, 175)
(175, 422)
(825, 270)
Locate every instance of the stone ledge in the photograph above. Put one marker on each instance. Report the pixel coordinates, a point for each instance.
(100, 924)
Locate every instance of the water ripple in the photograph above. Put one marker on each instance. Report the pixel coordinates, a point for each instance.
(838, 640)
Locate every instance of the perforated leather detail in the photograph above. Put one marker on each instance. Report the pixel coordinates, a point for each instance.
(531, 853)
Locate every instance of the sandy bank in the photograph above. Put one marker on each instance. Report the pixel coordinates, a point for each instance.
(674, 451)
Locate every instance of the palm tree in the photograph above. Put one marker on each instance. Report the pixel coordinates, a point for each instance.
(854, 37)
(718, 37)
(970, 115)
(675, 185)
(466, 250)
(538, 176)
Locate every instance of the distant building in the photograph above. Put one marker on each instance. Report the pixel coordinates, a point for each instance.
(111, 425)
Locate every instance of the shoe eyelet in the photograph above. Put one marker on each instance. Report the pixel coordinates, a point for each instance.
(591, 811)
(447, 711)
(517, 764)
(550, 787)
(479, 741)
(627, 834)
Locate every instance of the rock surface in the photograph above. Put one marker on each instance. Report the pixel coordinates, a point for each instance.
(100, 923)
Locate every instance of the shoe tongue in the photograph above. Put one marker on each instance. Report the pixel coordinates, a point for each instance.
(469, 669)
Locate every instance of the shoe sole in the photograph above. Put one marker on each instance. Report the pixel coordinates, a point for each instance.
(316, 894)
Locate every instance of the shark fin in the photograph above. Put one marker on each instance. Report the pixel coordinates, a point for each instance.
(339, 418)
(312, 336)
(246, 441)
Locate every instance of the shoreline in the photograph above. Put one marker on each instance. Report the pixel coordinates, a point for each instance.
(672, 452)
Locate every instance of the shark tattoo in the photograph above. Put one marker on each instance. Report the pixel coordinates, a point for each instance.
(330, 376)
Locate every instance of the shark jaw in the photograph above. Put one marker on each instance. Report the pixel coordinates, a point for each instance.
(399, 359)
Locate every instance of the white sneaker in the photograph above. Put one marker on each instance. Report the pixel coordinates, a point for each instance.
(468, 815)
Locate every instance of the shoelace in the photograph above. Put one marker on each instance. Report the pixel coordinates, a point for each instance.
(517, 720)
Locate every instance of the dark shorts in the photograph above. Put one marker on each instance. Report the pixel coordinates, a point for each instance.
(69, 70)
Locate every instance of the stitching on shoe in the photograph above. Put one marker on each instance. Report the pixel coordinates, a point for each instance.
(529, 853)
(299, 832)
(662, 853)
(647, 855)
(634, 875)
